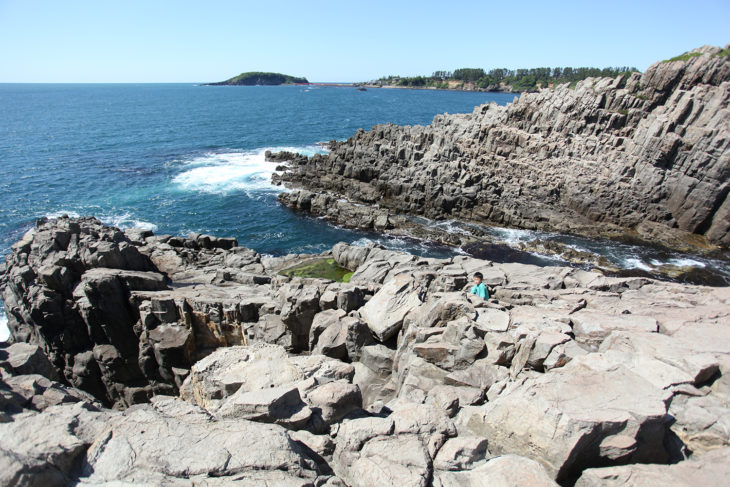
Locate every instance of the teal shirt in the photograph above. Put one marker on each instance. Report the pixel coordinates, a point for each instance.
(480, 290)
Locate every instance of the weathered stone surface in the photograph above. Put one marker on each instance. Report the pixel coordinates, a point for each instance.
(480, 375)
(321, 322)
(662, 360)
(440, 309)
(562, 354)
(544, 344)
(299, 305)
(503, 471)
(320, 444)
(389, 461)
(46, 449)
(592, 328)
(160, 442)
(372, 386)
(35, 392)
(450, 398)
(711, 469)
(253, 368)
(334, 400)
(385, 311)
(70, 288)
(564, 420)
(281, 405)
(333, 341)
(358, 337)
(461, 453)
(415, 377)
(500, 348)
(348, 256)
(391, 451)
(493, 320)
(25, 359)
(378, 358)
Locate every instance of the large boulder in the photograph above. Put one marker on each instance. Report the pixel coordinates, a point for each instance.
(280, 405)
(385, 311)
(47, 449)
(171, 439)
(339, 336)
(393, 451)
(299, 305)
(588, 413)
(263, 383)
(24, 358)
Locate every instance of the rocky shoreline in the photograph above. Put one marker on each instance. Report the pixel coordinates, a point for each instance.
(644, 156)
(161, 360)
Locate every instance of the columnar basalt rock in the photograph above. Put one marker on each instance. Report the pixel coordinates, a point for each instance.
(644, 154)
(111, 321)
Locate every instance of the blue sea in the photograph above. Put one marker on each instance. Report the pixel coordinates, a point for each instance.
(181, 158)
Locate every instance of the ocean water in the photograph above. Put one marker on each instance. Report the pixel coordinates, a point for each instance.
(181, 158)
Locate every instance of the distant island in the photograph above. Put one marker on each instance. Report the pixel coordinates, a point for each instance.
(257, 78)
(506, 80)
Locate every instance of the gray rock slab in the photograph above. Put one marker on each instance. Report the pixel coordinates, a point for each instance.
(385, 311)
(503, 471)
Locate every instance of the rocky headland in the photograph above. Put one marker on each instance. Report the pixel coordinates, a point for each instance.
(641, 156)
(138, 359)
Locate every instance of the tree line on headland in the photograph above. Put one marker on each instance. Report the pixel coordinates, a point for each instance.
(501, 79)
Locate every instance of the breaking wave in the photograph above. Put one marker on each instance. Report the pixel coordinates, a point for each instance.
(226, 172)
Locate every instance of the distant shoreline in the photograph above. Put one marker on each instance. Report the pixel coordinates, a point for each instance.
(433, 88)
(361, 85)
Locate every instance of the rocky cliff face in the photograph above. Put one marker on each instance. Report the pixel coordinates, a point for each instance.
(641, 154)
(398, 378)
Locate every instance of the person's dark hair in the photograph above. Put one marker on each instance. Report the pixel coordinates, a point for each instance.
(479, 275)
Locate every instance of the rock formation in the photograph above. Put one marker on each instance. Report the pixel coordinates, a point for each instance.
(238, 375)
(643, 155)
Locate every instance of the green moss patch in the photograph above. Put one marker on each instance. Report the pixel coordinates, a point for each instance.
(683, 57)
(319, 269)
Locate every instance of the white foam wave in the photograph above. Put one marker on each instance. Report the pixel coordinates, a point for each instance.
(635, 263)
(679, 262)
(513, 236)
(451, 226)
(122, 220)
(4, 330)
(362, 242)
(226, 172)
(549, 257)
(57, 214)
(126, 220)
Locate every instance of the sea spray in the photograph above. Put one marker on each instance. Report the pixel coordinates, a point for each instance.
(4, 331)
(227, 172)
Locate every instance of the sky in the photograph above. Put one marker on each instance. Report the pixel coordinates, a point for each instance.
(195, 41)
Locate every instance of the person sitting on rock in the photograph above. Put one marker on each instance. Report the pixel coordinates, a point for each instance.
(479, 288)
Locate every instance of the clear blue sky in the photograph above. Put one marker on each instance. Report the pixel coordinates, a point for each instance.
(192, 41)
